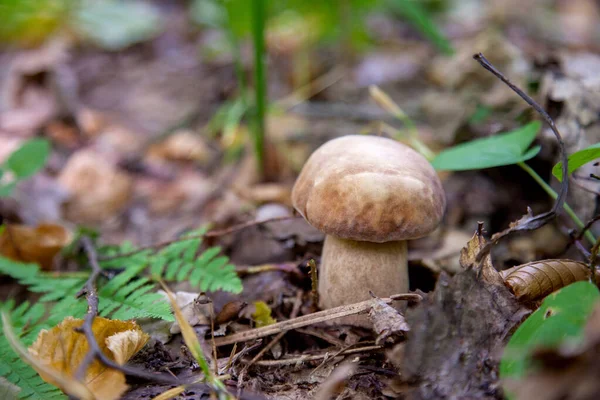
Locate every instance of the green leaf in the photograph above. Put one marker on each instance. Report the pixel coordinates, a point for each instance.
(578, 159)
(503, 149)
(115, 25)
(418, 16)
(561, 318)
(29, 158)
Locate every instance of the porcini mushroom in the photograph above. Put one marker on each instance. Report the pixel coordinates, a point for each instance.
(369, 195)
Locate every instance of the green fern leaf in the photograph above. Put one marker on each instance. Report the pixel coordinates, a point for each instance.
(13, 369)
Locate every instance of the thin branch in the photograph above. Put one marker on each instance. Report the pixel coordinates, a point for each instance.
(311, 319)
(529, 221)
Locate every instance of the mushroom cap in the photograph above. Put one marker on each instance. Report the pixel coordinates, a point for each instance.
(369, 188)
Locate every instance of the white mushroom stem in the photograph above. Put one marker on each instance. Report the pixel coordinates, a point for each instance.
(350, 269)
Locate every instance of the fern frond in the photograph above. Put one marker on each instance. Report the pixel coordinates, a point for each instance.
(13, 368)
(180, 261)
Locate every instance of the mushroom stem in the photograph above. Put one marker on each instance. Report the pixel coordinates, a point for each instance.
(350, 269)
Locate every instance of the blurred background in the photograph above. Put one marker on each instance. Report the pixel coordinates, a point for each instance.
(164, 115)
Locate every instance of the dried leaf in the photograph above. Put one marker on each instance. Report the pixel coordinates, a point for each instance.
(98, 189)
(67, 384)
(536, 280)
(387, 321)
(262, 314)
(194, 308)
(468, 258)
(38, 245)
(62, 349)
(230, 311)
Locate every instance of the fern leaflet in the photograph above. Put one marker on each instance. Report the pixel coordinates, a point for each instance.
(13, 368)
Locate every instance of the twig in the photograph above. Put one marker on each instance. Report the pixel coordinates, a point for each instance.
(311, 319)
(529, 221)
(316, 357)
(94, 352)
(587, 226)
(213, 233)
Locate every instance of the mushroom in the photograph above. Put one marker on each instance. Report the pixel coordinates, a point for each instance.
(369, 195)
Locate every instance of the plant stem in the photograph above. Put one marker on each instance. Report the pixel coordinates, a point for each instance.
(554, 195)
(258, 35)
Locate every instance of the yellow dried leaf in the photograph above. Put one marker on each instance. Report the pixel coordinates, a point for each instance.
(63, 349)
(536, 280)
(34, 244)
(262, 314)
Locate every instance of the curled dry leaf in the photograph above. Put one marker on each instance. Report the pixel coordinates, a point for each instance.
(535, 280)
(63, 349)
(34, 244)
(387, 321)
(98, 189)
(230, 311)
(468, 258)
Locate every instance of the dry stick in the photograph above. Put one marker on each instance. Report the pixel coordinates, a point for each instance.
(214, 233)
(316, 357)
(94, 351)
(530, 221)
(310, 319)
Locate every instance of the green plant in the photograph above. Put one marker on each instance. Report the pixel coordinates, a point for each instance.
(24, 318)
(127, 294)
(329, 21)
(260, 83)
(22, 164)
(499, 150)
(560, 320)
(578, 159)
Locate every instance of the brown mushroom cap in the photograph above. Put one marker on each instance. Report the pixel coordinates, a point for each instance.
(369, 188)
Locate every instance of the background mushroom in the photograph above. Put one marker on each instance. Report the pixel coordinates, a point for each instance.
(369, 195)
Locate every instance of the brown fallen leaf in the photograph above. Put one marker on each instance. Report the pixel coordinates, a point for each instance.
(230, 311)
(387, 322)
(535, 280)
(63, 349)
(98, 189)
(34, 244)
(469, 254)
